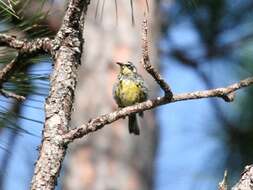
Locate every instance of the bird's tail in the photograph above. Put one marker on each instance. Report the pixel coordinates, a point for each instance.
(133, 124)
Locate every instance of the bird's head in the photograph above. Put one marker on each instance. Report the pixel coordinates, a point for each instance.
(127, 68)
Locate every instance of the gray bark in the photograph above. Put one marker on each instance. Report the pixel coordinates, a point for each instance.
(246, 181)
(112, 159)
(66, 51)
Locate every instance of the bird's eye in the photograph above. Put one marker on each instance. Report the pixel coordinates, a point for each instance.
(129, 67)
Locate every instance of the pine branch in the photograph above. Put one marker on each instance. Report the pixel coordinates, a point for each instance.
(5, 73)
(8, 94)
(223, 185)
(147, 64)
(226, 93)
(37, 46)
(7, 70)
(66, 52)
(25, 48)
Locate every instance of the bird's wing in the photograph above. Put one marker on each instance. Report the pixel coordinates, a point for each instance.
(114, 91)
(143, 86)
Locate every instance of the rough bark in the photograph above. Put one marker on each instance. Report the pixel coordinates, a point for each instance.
(112, 159)
(246, 181)
(66, 53)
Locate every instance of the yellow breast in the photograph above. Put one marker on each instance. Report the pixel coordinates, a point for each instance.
(129, 92)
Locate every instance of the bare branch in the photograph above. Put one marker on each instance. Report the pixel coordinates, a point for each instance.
(5, 72)
(37, 46)
(11, 95)
(24, 48)
(147, 65)
(103, 120)
(223, 185)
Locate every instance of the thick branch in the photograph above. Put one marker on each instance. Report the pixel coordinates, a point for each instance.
(37, 46)
(72, 19)
(147, 65)
(103, 120)
(67, 57)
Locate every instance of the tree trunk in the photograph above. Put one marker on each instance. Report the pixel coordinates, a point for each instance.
(112, 158)
(66, 50)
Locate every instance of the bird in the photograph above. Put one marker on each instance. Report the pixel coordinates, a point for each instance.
(129, 89)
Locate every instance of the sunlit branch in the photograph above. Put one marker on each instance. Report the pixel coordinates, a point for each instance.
(7, 70)
(226, 93)
(223, 185)
(8, 94)
(36, 46)
(147, 64)
(5, 73)
(245, 182)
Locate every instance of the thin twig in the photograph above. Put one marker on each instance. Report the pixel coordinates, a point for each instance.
(223, 185)
(24, 48)
(116, 11)
(132, 12)
(5, 73)
(37, 46)
(147, 5)
(147, 65)
(103, 120)
(8, 94)
(7, 70)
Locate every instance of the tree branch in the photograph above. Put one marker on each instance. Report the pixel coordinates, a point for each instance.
(8, 94)
(67, 51)
(7, 70)
(101, 121)
(246, 182)
(147, 65)
(5, 73)
(37, 46)
(223, 185)
(25, 48)
(71, 20)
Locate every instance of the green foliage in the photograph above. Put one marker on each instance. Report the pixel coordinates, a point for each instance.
(25, 23)
(8, 8)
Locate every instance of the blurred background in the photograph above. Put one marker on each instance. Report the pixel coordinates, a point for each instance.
(197, 44)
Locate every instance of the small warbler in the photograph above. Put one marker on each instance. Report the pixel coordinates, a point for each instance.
(129, 90)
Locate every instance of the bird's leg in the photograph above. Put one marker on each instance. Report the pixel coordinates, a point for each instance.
(119, 108)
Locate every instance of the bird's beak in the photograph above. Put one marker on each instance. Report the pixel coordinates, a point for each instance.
(119, 63)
